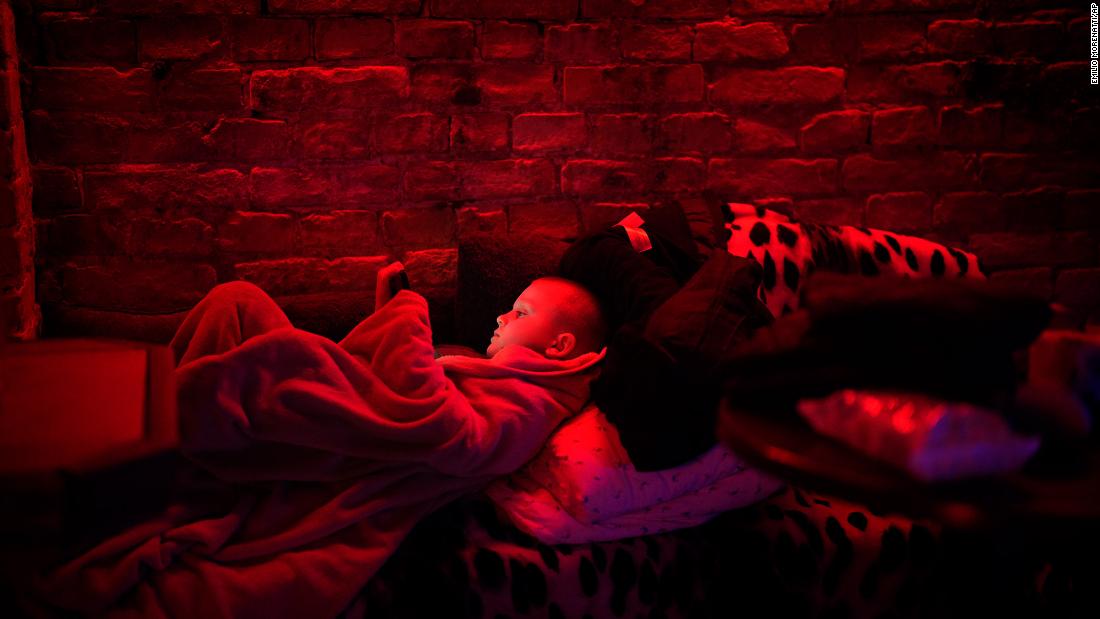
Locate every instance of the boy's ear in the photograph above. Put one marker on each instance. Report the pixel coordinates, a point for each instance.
(561, 346)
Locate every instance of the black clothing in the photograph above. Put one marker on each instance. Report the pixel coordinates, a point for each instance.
(672, 321)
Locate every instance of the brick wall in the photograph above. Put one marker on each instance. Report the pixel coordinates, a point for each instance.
(299, 143)
(19, 317)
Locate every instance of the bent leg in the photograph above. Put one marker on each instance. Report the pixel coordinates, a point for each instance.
(227, 316)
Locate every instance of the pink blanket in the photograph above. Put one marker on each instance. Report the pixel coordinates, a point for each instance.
(336, 451)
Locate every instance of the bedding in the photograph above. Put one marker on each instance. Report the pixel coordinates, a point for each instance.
(795, 554)
(790, 250)
(582, 487)
(333, 453)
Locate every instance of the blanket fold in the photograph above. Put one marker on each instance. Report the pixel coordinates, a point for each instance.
(329, 454)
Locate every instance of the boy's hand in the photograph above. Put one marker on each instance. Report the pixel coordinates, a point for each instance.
(383, 286)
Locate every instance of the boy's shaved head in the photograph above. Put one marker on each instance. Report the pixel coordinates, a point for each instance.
(580, 312)
(554, 316)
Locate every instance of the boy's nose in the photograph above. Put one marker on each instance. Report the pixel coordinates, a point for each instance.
(500, 320)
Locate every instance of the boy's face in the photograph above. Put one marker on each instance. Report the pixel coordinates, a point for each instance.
(535, 322)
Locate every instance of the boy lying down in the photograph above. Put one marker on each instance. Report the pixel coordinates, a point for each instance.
(334, 450)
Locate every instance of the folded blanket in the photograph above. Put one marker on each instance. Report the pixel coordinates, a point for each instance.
(328, 454)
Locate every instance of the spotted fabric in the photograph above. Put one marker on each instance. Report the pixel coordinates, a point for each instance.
(796, 554)
(789, 251)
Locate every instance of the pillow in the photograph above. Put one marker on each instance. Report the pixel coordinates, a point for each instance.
(789, 250)
(586, 471)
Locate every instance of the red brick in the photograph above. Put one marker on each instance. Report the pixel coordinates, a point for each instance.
(353, 38)
(1005, 172)
(57, 138)
(893, 39)
(444, 83)
(1061, 81)
(203, 89)
(1032, 38)
(180, 7)
(621, 134)
(548, 132)
(580, 44)
(819, 44)
(902, 83)
(336, 7)
(73, 235)
(1010, 249)
(484, 132)
(785, 86)
(60, 5)
(1083, 129)
(555, 220)
(415, 132)
(5, 103)
(55, 191)
(272, 39)
(187, 238)
(633, 84)
(507, 41)
(179, 37)
(137, 287)
(248, 139)
(296, 276)
(928, 173)
(890, 6)
(258, 233)
(92, 89)
(604, 177)
(1082, 209)
(836, 131)
(728, 42)
(509, 177)
(517, 84)
(1024, 130)
(656, 41)
(977, 127)
(967, 212)
(831, 211)
(959, 38)
(780, 7)
(331, 185)
(699, 132)
(767, 177)
(434, 38)
(474, 221)
(900, 212)
(335, 138)
(676, 174)
(599, 215)
(7, 156)
(419, 228)
(545, 10)
(184, 188)
(434, 273)
(1079, 289)
(341, 233)
(93, 39)
(8, 215)
(903, 127)
(165, 138)
(672, 9)
(311, 88)
(751, 137)
(1036, 209)
(431, 180)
